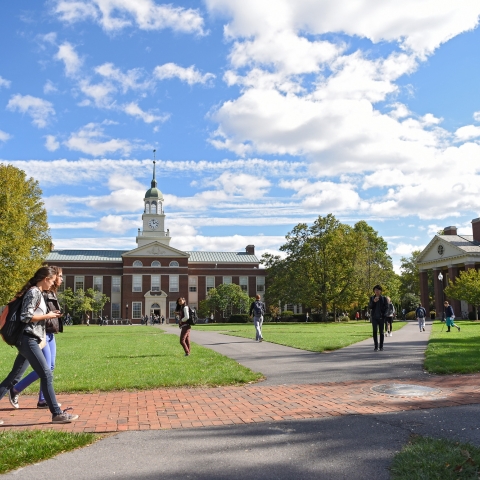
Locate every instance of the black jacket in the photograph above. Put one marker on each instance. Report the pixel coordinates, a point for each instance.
(382, 304)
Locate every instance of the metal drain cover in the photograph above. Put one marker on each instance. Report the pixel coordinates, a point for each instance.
(405, 390)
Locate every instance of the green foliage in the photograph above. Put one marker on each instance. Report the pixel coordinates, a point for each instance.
(239, 318)
(228, 298)
(410, 301)
(453, 352)
(98, 300)
(287, 313)
(466, 287)
(24, 233)
(203, 309)
(81, 301)
(428, 458)
(410, 280)
(21, 448)
(122, 358)
(410, 315)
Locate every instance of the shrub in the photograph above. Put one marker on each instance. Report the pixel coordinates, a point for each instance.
(238, 318)
(411, 315)
(287, 313)
(471, 315)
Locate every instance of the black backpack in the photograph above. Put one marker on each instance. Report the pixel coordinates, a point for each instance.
(10, 325)
(192, 316)
(258, 308)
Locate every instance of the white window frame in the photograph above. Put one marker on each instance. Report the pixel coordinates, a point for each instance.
(243, 282)
(116, 284)
(98, 282)
(209, 280)
(116, 310)
(174, 283)
(79, 280)
(137, 264)
(260, 284)
(174, 264)
(137, 310)
(156, 264)
(136, 283)
(171, 309)
(227, 280)
(192, 284)
(155, 283)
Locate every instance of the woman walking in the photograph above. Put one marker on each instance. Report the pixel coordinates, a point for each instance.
(183, 315)
(450, 316)
(52, 327)
(33, 314)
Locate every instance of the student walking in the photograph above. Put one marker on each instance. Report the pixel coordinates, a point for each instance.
(450, 316)
(257, 311)
(378, 306)
(184, 315)
(421, 314)
(390, 313)
(33, 314)
(52, 327)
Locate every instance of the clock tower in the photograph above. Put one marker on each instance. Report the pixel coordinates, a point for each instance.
(153, 217)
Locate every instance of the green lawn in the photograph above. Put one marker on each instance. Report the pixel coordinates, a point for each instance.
(18, 449)
(314, 337)
(454, 352)
(117, 358)
(433, 459)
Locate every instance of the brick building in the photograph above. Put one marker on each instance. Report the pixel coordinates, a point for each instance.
(445, 257)
(149, 278)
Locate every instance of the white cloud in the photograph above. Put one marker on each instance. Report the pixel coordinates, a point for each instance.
(135, 111)
(117, 224)
(38, 109)
(127, 81)
(67, 54)
(114, 15)
(100, 93)
(4, 83)
(244, 185)
(189, 75)
(4, 136)
(51, 143)
(476, 116)
(88, 140)
(467, 132)
(404, 249)
(49, 87)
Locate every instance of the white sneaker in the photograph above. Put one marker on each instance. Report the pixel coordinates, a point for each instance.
(391, 333)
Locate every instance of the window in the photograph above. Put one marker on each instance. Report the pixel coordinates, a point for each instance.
(210, 281)
(192, 284)
(116, 284)
(98, 284)
(173, 284)
(289, 307)
(154, 207)
(61, 288)
(244, 284)
(156, 263)
(116, 310)
(136, 283)
(171, 308)
(79, 283)
(227, 280)
(136, 309)
(137, 263)
(260, 284)
(155, 285)
(147, 208)
(174, 264)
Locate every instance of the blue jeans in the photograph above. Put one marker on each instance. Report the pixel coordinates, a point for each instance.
(258, 322)
(31, 351)
(50, 353)
(20, 365)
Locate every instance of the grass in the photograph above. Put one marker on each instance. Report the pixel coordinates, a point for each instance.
(454, 352)
(431, 459)
(314, 337)
(96, 358)
(18, 449)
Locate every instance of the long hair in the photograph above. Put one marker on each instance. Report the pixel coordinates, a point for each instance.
(178, 308)
(40, 274)
(54, 287)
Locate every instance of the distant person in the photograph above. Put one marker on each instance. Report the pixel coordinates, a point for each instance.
(378, 306)
(390, 313)
(357, 316)
(450, 316)
(307, 317)
(183, 316)
(257, 311)
(367, 316)
(421, 314)
(212, 317)
(87, 320)
(100, 320)
(404, 313)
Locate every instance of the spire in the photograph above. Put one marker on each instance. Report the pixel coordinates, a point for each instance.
(154, 182)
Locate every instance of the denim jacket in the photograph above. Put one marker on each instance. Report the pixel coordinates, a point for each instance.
(32, 301)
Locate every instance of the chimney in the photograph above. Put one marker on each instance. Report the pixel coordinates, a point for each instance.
(250, 249)
(476, 229)
(450, 230)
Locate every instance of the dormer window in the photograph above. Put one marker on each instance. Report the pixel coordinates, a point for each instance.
(174, 264)
(156, 263)
(137, 263)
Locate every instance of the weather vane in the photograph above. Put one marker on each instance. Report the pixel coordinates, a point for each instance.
(154, 156)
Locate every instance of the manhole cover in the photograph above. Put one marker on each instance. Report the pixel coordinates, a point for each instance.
(404, 390)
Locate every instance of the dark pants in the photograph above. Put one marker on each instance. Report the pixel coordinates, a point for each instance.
(377, 325)
(19, 366)
(185, 338)
(388, 323)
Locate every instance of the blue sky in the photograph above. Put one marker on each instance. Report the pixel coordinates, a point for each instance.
(263, 114)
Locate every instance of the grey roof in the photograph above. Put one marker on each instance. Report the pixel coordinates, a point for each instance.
(464, 242)
(86, 255)
(222, 257)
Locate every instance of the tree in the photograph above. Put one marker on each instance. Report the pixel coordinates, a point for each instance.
(98, 300)
(24, 234)
(410, 279)
(319, 267)
(466, 287)
(228, 297)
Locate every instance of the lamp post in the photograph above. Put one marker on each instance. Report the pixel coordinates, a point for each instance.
(126, 307)
(440, 279)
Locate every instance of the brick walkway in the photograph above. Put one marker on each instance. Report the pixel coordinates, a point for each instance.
(199, 407)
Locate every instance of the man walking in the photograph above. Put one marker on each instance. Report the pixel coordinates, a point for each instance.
(257, 310)
(421, 313)
(378, 306)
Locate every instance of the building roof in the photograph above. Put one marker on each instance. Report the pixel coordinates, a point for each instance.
(85, 255)
(222, 257)
(116, 256)
(464, 242)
